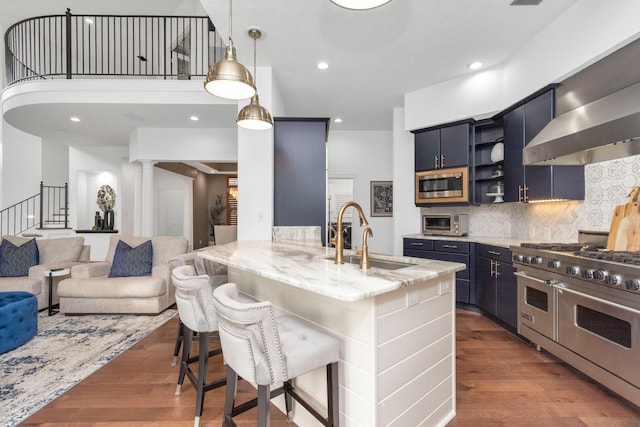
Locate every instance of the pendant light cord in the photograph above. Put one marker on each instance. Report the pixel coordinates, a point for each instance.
(230, 21)
(255, 79)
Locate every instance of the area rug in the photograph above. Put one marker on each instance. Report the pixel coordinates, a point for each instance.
(64, 352)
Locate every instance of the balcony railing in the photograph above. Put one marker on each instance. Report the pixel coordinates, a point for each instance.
(101, 46)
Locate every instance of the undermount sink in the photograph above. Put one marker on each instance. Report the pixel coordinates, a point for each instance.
(376, 263)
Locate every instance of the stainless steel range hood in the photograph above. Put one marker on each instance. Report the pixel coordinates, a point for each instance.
(604, 129)
(598, 114)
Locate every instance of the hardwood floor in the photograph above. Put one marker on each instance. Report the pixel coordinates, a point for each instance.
(501, 381)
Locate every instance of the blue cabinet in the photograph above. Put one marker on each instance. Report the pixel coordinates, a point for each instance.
(447, 250)
(300, 172)
(442, 147)
(526, 183)
(496, 286)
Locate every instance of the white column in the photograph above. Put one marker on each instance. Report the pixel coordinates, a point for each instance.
(147, 211)
(137, 199)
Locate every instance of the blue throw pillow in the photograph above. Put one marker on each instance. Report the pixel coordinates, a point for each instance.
(128, 261)
(16, 260)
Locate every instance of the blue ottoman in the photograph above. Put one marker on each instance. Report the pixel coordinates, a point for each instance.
(18, 319)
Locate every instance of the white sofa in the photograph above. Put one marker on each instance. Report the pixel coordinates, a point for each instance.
(90, 290)
(61, 252)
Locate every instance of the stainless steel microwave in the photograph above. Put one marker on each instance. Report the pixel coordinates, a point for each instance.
(443, 186)
(445, 224)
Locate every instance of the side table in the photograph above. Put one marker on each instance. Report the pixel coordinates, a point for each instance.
(56, 272)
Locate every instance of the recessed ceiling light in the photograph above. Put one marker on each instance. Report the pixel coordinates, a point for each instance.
(338, 120)
(475, 65)
(74, 119)
(194, 118)
(322, 65)
(360, 4)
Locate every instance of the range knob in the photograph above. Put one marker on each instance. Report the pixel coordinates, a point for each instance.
(573, 270)
(600, 274)
(633, 284)
(588, 274)
(527, 260)
(612, 279)
(554, 263)
(518, 257)
(536, 260)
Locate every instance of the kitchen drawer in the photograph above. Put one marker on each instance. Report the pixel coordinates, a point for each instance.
(494, 252)
(451, 246)
(451, 257)
(418, 244)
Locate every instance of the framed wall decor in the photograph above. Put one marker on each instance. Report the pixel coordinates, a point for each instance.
(381, 198)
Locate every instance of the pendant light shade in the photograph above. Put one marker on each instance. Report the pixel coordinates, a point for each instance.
(360, 4)
(228, 78)
(254, 116)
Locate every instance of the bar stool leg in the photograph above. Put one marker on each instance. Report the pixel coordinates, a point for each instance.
(203, 362)
(333, 397)
(264, 406)
(179, 339)
(288, 401)
(230, 397)
(186, 350)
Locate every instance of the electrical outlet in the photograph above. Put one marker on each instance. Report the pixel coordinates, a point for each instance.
(445, 287)
(413, 298)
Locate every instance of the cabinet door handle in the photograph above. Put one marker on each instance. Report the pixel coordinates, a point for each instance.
(416, 244)
(520, 193)
(496, 270)
(442, 161)
(435, 160)
(450, 246)
(526, 196)
(491, 272)
(494, 253)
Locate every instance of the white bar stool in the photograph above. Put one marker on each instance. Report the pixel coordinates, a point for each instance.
(268, 351)
(194, 298)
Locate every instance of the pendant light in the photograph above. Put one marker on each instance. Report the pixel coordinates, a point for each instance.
(254, 116)
(228, 78)
(360, 4)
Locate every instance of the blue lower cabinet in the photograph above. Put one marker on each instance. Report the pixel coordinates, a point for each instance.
(496, 286)
(448, 250)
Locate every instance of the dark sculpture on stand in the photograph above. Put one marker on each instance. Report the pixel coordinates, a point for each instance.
(106, 201)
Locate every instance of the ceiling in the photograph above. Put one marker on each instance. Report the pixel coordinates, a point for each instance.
(374, 56)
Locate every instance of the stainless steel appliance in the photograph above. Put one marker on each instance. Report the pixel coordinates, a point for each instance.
(442, 186)
(445, 224)
(583, 305)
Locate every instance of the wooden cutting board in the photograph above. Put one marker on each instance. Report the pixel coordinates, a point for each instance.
(624, 234)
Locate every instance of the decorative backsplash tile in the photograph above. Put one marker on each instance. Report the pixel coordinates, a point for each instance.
(607, 184)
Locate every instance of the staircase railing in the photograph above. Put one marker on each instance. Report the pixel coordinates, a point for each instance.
(65, 46)
(47, 209)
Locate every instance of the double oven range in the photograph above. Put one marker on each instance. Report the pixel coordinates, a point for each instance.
(583, 305)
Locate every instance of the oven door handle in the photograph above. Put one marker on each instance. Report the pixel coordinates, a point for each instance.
(547, 282)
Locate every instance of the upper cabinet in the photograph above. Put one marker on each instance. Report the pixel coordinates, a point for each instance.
(442, 147)
(529, 183)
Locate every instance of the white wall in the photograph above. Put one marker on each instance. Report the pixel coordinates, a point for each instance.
(406, 216)
(366, 156)
(255, 168)
(91, 162)
(22, 165)
(55, 166)
(174, 204)
(174, 145)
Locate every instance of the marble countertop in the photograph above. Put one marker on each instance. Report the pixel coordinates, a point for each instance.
(312, 268)
(487, 240)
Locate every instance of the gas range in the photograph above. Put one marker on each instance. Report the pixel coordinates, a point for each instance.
(617, 270)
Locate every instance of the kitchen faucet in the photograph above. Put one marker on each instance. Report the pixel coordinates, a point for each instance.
(338, 239)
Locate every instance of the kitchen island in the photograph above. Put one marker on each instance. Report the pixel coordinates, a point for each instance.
(396, 326)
